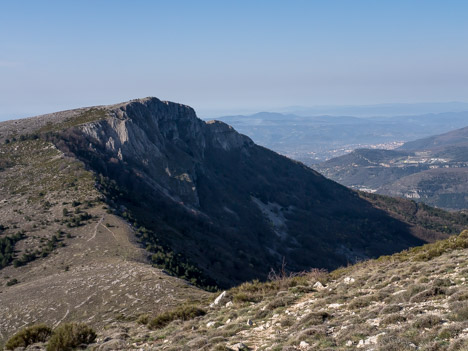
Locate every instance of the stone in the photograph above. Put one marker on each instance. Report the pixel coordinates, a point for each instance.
(221, 297)
(304, 345)
(318, 286)
(114, 344)
(240, 347)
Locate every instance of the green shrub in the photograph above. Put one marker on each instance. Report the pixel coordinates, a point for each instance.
(393, 319)
(450, 331)
(143, 319)
(394, 343)
(242, 297)
(427, 321)
(391, 309)
(280, 301)
(69, 336)
(11, 282)
(314, 318)
(461, 311)
(360, 302)
(28, 336)
(183, 313)
(427, 294)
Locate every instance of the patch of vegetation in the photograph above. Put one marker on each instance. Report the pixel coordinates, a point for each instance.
(12, 282)
(77, 220)
(91, 115)
(427, 321)
(29, 336)
(420, 214)
(50, 245)
(69, 336)
(183, 313)
(430, 251)
(7, 248)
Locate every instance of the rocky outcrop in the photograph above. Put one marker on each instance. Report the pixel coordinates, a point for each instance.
(163, 141)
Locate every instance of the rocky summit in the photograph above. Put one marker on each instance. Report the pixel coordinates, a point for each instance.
(113, 214)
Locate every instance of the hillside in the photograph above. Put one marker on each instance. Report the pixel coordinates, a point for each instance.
(102, 207)
(63, 255)
(433, 170)
(456, 138)
(414, 300)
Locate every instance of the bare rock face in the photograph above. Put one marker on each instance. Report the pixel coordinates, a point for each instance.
(165, 140)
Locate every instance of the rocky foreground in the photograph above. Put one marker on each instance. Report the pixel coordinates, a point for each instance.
(414, 300)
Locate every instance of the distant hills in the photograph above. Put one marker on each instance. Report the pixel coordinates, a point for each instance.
(433, 170)
(381, 110)
(318, 138)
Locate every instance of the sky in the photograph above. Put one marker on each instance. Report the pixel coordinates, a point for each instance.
(222, 57)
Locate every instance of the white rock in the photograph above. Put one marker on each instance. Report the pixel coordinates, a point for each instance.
(304, 345)
(318, 286)
(240, 347)
(210, 324)
(335, 305)
(372, 340)
(229, 304)
(219, 298)
(349, 343)
(349, 280)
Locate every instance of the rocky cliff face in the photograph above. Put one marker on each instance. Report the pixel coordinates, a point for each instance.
(163, 142)
(219, 202)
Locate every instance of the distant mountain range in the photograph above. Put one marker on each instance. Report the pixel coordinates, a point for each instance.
(319, 138)
(382, 110)
(433, 170)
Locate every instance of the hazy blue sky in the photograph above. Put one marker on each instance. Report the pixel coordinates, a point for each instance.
(230, 55)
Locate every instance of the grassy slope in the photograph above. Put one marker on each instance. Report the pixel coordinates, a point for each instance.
(416, 299)
(74, 260)
(413, 300)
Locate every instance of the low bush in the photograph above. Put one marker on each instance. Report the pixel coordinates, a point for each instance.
(393, 319)
(460, 311)
(314, 318)
(427, 294)
(391, 309)
(29, 336)
(11, 282)
(450, 331)
(184, 313)
(394, 343)
(427, 321)
(360, 302)
(69, 336)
